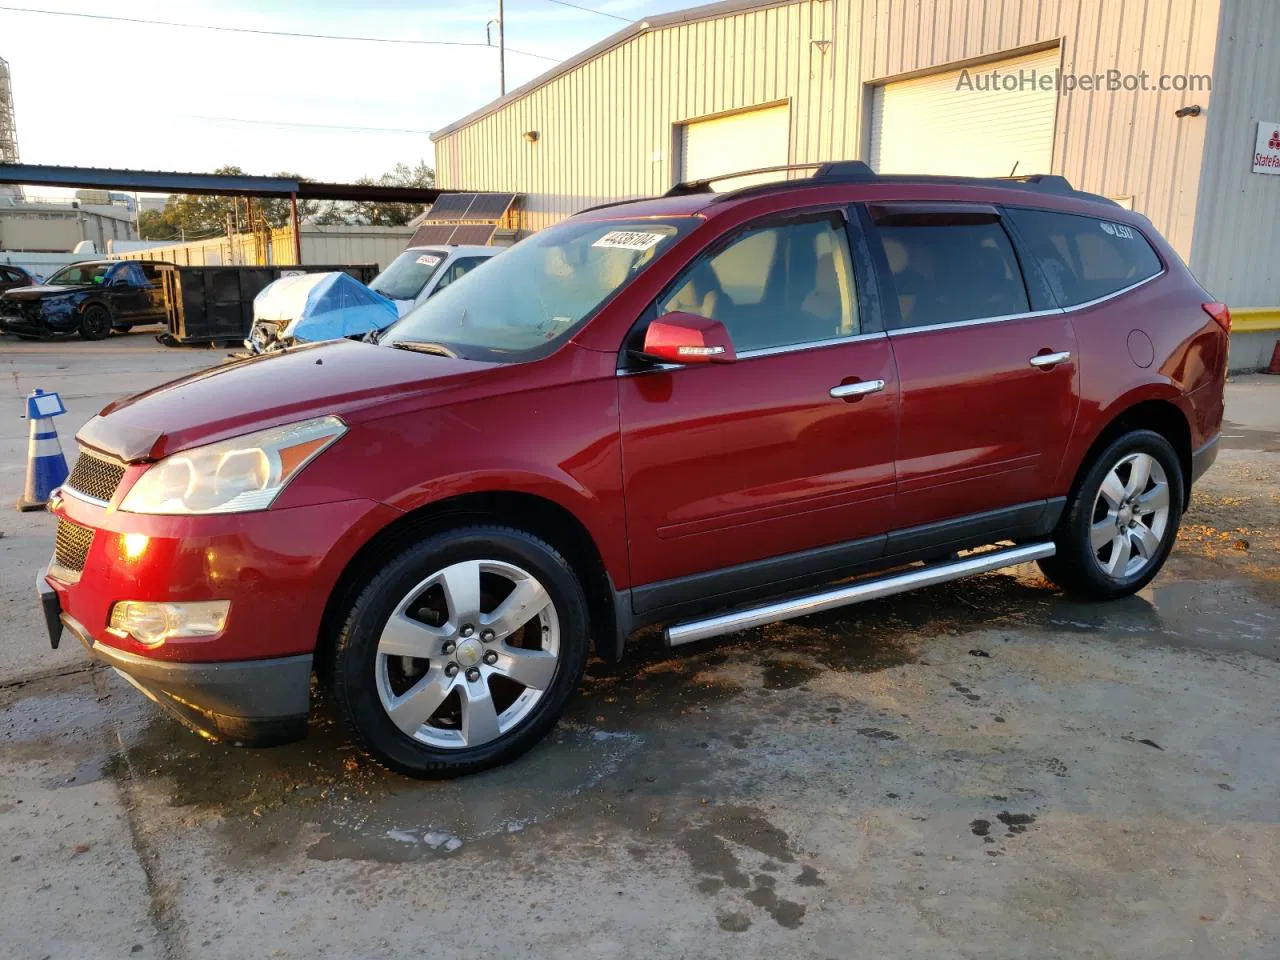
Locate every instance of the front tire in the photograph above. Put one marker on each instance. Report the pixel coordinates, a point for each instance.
(461, 652)
(95, 323)
(1122, 520)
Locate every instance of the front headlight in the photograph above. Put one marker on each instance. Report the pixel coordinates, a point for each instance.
(232, 476)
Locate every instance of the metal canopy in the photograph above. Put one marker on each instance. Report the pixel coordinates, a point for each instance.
(220, 184)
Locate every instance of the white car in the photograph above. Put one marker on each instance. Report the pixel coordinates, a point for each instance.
(420, 272)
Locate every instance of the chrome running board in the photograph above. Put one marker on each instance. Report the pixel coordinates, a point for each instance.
(927, 576)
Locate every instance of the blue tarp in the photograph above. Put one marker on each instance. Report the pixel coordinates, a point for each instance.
(326, 306)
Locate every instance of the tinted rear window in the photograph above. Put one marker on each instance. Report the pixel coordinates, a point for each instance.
(1084, 258)
(945, 274)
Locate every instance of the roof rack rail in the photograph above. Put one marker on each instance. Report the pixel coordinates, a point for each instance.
(823, 170)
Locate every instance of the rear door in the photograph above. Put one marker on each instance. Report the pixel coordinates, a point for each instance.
(729, 464)
(153, 294)
(987, 362)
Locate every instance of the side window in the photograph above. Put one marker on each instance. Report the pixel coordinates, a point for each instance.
(953, 272)
(1084, 258)
(458, 269)
(151, 272)
(779, 285)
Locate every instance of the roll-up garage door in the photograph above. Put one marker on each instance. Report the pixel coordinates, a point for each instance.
(739, 141)
(943, 124)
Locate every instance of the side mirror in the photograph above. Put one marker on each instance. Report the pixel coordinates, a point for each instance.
(687, 338)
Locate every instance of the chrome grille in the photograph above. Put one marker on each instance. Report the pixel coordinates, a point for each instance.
(72, 546)
(95, 477)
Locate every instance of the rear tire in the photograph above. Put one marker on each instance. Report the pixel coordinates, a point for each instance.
(95, 323)
(1122, 520)
(461, 652)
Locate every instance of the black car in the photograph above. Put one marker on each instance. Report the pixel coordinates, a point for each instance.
(91, 299)
(14, 276)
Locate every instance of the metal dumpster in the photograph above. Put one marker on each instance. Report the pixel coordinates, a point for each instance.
(215, 304)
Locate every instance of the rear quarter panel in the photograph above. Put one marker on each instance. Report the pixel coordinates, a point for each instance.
(1184, 363)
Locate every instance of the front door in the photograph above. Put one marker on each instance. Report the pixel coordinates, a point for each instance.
(126, 289)
(788, 448)
(989, 383)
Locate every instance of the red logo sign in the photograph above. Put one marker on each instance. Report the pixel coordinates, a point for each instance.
(1274, 142)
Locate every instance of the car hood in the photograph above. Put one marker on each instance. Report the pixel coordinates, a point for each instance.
(340, 377)
(42, 291)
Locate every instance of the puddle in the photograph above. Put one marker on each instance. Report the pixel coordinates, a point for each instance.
(1235, 437)
(1213, 615)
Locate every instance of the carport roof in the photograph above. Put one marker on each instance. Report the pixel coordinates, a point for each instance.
(220, 184)
(707, 11)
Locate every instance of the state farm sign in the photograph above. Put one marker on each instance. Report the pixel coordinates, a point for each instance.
(1266, 154)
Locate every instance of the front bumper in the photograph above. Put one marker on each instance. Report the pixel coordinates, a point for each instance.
(38, 321)
(254, 703)
(251, 683)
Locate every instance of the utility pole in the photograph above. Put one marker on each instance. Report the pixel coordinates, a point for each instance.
(502, 49)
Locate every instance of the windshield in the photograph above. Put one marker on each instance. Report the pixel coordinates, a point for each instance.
(78, 273)
(532, 297)
(408, 273)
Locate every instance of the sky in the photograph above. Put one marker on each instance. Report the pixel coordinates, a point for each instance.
(110, 94)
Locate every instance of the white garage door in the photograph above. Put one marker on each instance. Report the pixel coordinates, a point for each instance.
(739, 141)
(936, 125)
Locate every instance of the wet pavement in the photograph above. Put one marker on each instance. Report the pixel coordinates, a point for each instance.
(981, 769)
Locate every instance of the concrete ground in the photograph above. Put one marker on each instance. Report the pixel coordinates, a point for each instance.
(984, 769)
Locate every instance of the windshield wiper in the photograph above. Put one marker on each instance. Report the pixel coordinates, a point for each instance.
(425, 346)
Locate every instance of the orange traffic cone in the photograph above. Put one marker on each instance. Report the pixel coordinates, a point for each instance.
(1275, 360)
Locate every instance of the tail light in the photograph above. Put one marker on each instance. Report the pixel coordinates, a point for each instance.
(1221, 315)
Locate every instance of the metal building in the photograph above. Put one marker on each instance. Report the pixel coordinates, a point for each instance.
(907, 85)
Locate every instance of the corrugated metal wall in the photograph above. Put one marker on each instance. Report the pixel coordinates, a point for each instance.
(336, 244)
(606, 129)
(1236, 249)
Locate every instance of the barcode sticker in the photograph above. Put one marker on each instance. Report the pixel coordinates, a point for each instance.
(629, 240)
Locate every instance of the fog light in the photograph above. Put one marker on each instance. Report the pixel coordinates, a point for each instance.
(154, 623)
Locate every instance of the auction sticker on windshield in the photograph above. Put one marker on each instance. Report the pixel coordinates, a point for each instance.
(427, 260)
(629, 240)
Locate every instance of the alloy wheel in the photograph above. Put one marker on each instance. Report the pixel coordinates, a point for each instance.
(1130, 516)
(467, 654)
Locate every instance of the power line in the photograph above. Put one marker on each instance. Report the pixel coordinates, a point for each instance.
(291, 123)
(603, 13)
(273, 33)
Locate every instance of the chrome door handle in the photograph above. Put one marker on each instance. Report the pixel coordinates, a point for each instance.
(861, 388)
(1050, 359)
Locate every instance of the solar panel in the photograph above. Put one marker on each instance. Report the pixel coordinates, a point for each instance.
(430, 234)
(451, 206)
(476, 233)
(489, 206)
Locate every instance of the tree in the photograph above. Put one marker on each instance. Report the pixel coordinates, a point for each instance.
(152, 225)
(393, 214)
(194, 217)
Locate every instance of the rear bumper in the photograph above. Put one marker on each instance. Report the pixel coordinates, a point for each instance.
(246, 702)
(1202, 459)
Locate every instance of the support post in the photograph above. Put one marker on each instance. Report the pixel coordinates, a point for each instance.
(297, 231)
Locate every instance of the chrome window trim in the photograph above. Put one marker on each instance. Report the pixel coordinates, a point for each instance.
(978, 321)
(764, 352)
(975, 322)
(807, 345)
(1111, 296)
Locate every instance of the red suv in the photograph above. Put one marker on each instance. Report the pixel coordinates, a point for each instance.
(709, 410)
